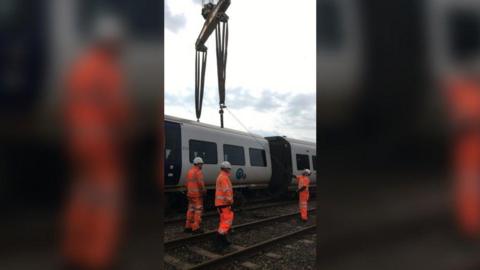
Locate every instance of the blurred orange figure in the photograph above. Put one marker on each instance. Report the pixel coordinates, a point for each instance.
(224, 202)
(195, 191)
(463, 94)
(96, 113)
(303, 193)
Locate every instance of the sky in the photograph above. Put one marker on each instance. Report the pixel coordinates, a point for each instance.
(271, 68)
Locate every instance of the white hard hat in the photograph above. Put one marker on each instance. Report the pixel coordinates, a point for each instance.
(197, 160)
(108, 27)
(307, 172)
(226, 165)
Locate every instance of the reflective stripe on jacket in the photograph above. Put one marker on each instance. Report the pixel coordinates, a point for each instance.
(194, 184)
(223, 190)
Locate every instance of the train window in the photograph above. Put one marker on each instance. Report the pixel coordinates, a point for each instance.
(257, 157)
(141, 17)
(329, 24)
(23, 53)
(206, 150)
(314, 162)
(303, 162)
(463, 33)
(234, 154)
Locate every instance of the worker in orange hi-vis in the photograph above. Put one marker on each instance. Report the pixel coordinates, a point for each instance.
(463, 97)
(96, 115)
(195, 192)
(223, 203)
(303, 182)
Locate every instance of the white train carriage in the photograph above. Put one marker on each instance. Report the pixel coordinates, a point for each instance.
(185, 140)
(304, 157)
(290, 156)
(257, 162)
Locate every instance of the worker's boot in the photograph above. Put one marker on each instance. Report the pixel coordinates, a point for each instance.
(225, 240)
(219, 243)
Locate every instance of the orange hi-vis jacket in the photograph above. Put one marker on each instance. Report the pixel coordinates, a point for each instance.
(464, 98)
(303, 181)
(96, 108)
(194, 184)
(223, 190)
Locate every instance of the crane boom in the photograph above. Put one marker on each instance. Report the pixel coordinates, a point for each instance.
(215, 19)
(211, 23)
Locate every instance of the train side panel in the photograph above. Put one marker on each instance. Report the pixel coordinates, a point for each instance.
(216, 139)
(303, 157)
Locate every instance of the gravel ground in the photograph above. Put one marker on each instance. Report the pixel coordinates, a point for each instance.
(175, 230)
(249, 236)
(294, 254)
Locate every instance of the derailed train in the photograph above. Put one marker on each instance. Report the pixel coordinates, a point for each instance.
(258, 163)
(368, 54)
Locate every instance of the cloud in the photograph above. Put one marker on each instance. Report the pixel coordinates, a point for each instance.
(300, 112)
(242, 98)
(174, 22)
(267, 101)
(292, 113)
(270, 100)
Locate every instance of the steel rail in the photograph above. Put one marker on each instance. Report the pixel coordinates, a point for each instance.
(181, 241)
(253, 207)
(250, 249)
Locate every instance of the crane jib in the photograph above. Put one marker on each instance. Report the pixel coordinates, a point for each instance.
(218, 20)
(211, 23)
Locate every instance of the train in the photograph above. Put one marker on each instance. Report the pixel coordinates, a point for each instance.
(258, 163)
(372, 56)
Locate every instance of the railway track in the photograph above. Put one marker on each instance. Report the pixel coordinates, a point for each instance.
(206, 259)
(242, 251)
(242, 209)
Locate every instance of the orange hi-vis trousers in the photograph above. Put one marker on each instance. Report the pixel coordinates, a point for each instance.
(194, 213)
(303, 204)
(467, 182)
(93, 223)
(226, 219)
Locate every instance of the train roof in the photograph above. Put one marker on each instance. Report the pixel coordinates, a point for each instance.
(291, 140)
(195, 123)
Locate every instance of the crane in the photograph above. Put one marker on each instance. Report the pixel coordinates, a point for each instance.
(215, 19)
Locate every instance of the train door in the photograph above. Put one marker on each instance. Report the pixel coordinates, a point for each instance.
(173, 153)
(281, 158)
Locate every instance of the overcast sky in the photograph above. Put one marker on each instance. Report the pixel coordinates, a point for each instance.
(270, 83)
